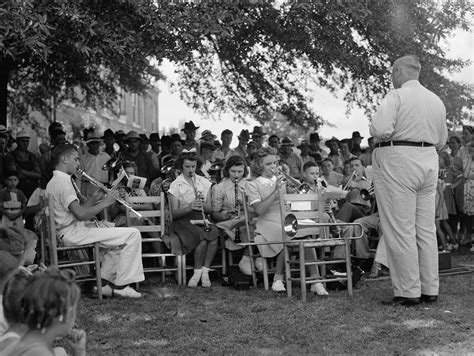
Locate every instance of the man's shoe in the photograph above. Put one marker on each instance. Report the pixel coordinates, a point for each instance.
(107, 291)
(259, 263)
(244, 265)
(407, 302)
(319, 289)
(375, 271)
(425, 298)
(127, 292)
(278, 286)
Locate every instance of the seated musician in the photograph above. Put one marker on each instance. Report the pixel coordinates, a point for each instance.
(310, 175)
(207, 153)
(122, 263)
(330, 176)
(263, 193)
(355, 205)
(190, 199)
(227, 207)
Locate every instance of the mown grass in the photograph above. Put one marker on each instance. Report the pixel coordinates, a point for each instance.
(222, 320)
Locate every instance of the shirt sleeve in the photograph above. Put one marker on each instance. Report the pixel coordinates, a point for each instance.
(217, 198)
(67, 196)
(383, 122)
(253, 192)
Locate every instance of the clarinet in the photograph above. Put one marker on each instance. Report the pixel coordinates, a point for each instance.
(199, 195)
(237, 211)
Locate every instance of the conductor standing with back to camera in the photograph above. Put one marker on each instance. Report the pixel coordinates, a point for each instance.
(408, 127)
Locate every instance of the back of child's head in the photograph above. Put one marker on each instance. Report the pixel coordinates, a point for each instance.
(8, 264)
(12, 242)
(12, 296)
(30, 241)
(49, 295)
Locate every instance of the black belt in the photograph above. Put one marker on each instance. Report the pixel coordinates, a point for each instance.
(403, 143)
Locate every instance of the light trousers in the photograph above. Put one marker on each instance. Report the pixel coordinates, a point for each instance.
(122, 262)
(405, 180)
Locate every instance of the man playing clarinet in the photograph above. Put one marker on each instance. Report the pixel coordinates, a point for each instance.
(122, 264)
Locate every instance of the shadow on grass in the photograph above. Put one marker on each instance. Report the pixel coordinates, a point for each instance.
(221, 320)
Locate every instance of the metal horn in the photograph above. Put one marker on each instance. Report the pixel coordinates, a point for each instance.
(366, 194)
(294, 184)
(290, 225)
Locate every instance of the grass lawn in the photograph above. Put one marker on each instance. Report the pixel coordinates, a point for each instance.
(222, 320)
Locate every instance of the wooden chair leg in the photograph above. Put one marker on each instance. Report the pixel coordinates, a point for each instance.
(287, 271)
(265, 274)
(98, 276)
(302, 270)
(252, 266)
(184, 270)
(348, 267)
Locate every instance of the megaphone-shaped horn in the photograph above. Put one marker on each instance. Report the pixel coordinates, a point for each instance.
(290, 225)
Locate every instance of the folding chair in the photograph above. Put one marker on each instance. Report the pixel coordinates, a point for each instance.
(302, 218)
(153, 221)
(84, 259)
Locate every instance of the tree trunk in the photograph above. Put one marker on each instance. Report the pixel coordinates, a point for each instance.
(4, 74)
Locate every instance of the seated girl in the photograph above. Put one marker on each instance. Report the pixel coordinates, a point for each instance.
(263, 193)
(190, 199)
(227, 207)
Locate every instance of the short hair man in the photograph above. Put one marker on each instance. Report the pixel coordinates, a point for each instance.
(408, 127)
(122, 264)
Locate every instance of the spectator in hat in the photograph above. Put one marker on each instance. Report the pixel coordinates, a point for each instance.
(366, 157)
(356, 138)
(241, 149)
(176, 149)
(190, 132)
(274, 141)
(144, 144)
(258, 135)
(109, 141)
(92, 162)
(154, 153)
(26, 163)
(294, 162)
(143, 162)
(345, 147)
(120, 137)
(317, 152)
(305, 150)
(208, 136)
(224, 152)
(334, 155)
(252, 151)
(329, 175)
(165, 147)
(207, 153)
(7, 163)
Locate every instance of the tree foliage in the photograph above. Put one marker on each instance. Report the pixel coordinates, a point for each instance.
(253, 59)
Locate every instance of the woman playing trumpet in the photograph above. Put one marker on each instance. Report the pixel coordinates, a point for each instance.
(190, 199)
(264, 194)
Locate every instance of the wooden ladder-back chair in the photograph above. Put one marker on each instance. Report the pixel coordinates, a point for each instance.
(84, 259)
(302, 218)
(153, 221)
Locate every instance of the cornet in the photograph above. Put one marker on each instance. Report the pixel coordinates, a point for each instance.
(366, 194)
(294, 184)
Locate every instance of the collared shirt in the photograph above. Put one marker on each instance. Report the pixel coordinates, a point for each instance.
(187, 145)
(295, 163)
(411, 113)
(220, 155)
(223, 195)
(334, 179)
(241, 151)
(92, 165)
(185, 193)
(63, 194)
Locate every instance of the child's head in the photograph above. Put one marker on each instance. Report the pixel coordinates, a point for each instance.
(12, 242)
(12, 180)
(129, 167)
(12, 295)
(30, 240)
(310, 172)
(8, 264)
(50, 298)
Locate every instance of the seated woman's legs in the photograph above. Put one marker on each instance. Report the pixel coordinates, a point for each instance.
(203, 256)
(313, 270)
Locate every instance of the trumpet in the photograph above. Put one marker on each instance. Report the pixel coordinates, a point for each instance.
(102, 187)
(351, 178)
(197, 193)
(294, 184)
(366, 194)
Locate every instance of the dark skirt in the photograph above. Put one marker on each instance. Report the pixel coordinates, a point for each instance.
(191, 235)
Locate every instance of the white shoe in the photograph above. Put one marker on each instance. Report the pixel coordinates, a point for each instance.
(107, 291)
(244, 266)
(127, 292)
(193, 282)
(278, 286)
(205, 281)
(319, 289)
(259, 263)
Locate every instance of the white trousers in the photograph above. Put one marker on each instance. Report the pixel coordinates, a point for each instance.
(405, 186)
(122, 263)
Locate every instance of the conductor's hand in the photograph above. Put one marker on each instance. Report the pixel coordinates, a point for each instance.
(111, 197)
(77, 340)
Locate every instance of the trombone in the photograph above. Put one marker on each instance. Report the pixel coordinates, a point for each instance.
(102, 187)
(294, 184)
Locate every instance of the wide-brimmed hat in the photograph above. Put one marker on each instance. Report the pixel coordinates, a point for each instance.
(22, 134)
(258, 131)
(189, 126)
(314, 137)
(133, 135)
(287, 142)
(328, 142)
(108, 133)
(144, 137)
(209, 146)
(356, 134)
(244, 134)
(93, 137)
(176, 137)
(207, 134)
(154, 136)
(119, 134)
(303, 143)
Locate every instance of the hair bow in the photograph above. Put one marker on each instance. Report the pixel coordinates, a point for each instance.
(190, 150)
